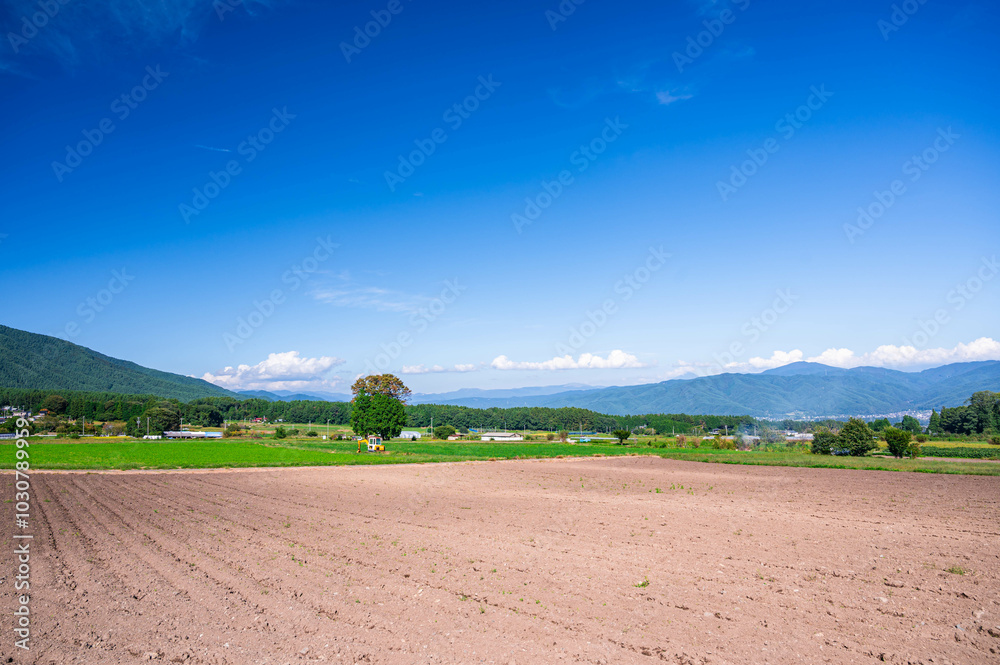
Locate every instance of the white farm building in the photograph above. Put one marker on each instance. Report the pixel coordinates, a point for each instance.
(501, 436)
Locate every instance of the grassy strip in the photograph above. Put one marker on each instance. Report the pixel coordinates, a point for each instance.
(830, 462)
(236, 453)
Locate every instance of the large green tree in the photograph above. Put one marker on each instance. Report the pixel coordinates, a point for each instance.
(162, 418)
(911, 425)
(857, 438)
(824, 441)
(934, 426)
(56, 404)
(377, 414)
(381, 384)
(985, 406)
(378, 406)
(880, 424)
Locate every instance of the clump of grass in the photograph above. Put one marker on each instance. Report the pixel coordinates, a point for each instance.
(956, 570)
(643, 584)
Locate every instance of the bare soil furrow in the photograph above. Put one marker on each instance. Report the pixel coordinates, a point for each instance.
(605, 560)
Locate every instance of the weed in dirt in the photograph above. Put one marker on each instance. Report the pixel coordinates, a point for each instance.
(956, 570)
(643, 584)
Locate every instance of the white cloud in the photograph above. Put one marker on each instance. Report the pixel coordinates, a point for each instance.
(777, 359)
(890, 355)
(887, 355)
(280, 371)
(370, 297)
(835, 358)
(666, 97)
(343, 290)
(617, 359)
(435, 369)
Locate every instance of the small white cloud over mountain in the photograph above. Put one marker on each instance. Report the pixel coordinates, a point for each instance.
(617, 359)
(436, 369)
(280, 371)
(887, 355)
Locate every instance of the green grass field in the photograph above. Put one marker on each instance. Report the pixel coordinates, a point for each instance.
(167, 454)
(798, 459)
(99, 454)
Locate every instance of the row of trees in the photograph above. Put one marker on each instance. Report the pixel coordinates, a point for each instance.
(857, 439)
(980, 415)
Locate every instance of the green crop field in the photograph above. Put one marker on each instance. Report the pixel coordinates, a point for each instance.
(122, 453)
(802, 459)
(197, 454)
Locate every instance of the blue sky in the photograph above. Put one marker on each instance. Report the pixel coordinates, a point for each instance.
(520, 193)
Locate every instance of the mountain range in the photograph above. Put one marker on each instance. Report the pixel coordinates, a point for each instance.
(32, 361)
(289, 396)
(797, 390)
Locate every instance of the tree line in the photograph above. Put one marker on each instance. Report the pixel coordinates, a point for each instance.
(67, 407)
(981, 415)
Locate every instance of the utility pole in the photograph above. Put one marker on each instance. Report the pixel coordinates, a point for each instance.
(327, 428)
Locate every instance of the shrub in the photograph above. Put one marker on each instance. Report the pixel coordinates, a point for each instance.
(622, 435)
(550, 437)
(340, 437)
(897, 440)
(312, 432)
(823, 443)
(280, 433)
(681, 441)
(995, 440)
(563, 435)
(293, 432)
(857, 438)
(724, 444)
(921, 438)
(443, 431)
(913, 451)
(695, 442)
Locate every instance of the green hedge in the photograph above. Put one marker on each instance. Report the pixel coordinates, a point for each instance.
(965, 453)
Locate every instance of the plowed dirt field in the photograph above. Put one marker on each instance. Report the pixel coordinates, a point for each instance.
(596, 560)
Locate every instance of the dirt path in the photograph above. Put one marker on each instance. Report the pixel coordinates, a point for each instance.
(540, 561)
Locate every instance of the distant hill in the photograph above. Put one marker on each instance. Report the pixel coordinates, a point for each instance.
(289, 396)
(29, 360)
(799, 390)
(494, 396)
